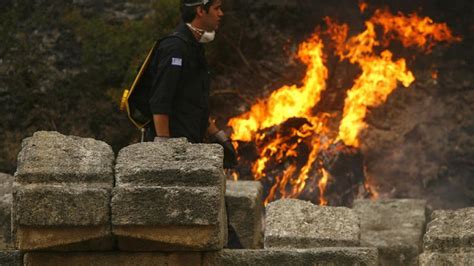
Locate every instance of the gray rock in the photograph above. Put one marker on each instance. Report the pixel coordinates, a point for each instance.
(394, 226)
(6, 182)
(293, 257)
(450, 231)
(461, 258)
(40, 205)
(169, 196)
(245, 210)
(50, 157)
(166, 206)
(11, 258)
(169, 163)
(61, 217)
(292, 223)
(61, 193)
(113, 258)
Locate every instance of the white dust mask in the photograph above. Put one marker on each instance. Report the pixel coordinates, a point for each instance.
(206, 36)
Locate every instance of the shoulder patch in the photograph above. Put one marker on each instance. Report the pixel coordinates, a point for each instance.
(176, 61)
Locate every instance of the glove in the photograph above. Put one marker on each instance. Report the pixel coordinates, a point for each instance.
(230, 155)
(160, 139)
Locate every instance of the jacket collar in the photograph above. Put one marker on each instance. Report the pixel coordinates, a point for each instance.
(183, 28)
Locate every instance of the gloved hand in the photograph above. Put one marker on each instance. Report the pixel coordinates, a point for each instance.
(230, 155)
(160, 139)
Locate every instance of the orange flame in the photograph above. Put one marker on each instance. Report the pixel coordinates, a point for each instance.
(288, 101)
(322, 187)
(363, 6)
(380, 76)
(413, 30)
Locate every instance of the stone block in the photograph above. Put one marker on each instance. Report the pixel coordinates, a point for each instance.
(6, 182)
(450, 231)
(112, 259)
(394, 226)
(293, 257)
(454, 259)
(245, 210)
(169, 196)
(50, 157)
(61, 193)
(292, 223)
(174, 162)
(11, 258)
(52, 206)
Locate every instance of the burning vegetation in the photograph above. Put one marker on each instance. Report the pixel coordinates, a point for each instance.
(297, 151)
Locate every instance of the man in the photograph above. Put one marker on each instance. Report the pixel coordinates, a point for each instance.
(180, 90)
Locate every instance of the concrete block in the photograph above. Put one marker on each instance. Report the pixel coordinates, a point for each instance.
(112, 259)
(50, 157)
(61, 193)
(292, 223)
(292, 257)
(11, 258)
(394, 226)
(52, 206)
(169, 218)
(174, 162)
(245, 210)
(169, 196)
(6, 182)
(454, 259)
(166, 205)
(450, 231)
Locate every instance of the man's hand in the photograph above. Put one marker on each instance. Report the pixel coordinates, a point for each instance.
(230, 155)
(160, 139)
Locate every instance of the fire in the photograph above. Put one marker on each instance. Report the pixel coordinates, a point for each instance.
(363, 6)
(322, 187)
(288, 101)
(413, 30)
(290, 138)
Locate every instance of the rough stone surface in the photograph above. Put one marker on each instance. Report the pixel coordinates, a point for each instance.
(394, 226)
(454, 259)
(112, 259)
(6, 182)
(293, 257)
(166, 205)
(61, 194)
(169, 196)
(294, 223)
(40, 205)
(50, 157)
(450, 231)
(170, 163)
(245, 210)
(11, 258)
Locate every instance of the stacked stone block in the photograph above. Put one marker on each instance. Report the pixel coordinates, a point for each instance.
(113, 259)
(292, 223)
(6, 182)
(169, 196)
(245, 210)
(293, 257)
(449, 238)
(61, 194)
(300, 233)
(394, 226)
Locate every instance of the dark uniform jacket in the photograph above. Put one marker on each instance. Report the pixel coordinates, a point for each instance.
(180, 88)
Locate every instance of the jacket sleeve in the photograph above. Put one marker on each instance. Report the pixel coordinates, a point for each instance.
(171, 60)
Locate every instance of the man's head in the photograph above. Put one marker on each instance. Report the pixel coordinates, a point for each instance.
(203, 14)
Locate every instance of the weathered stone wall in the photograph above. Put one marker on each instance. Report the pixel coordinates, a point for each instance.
(163, 204)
